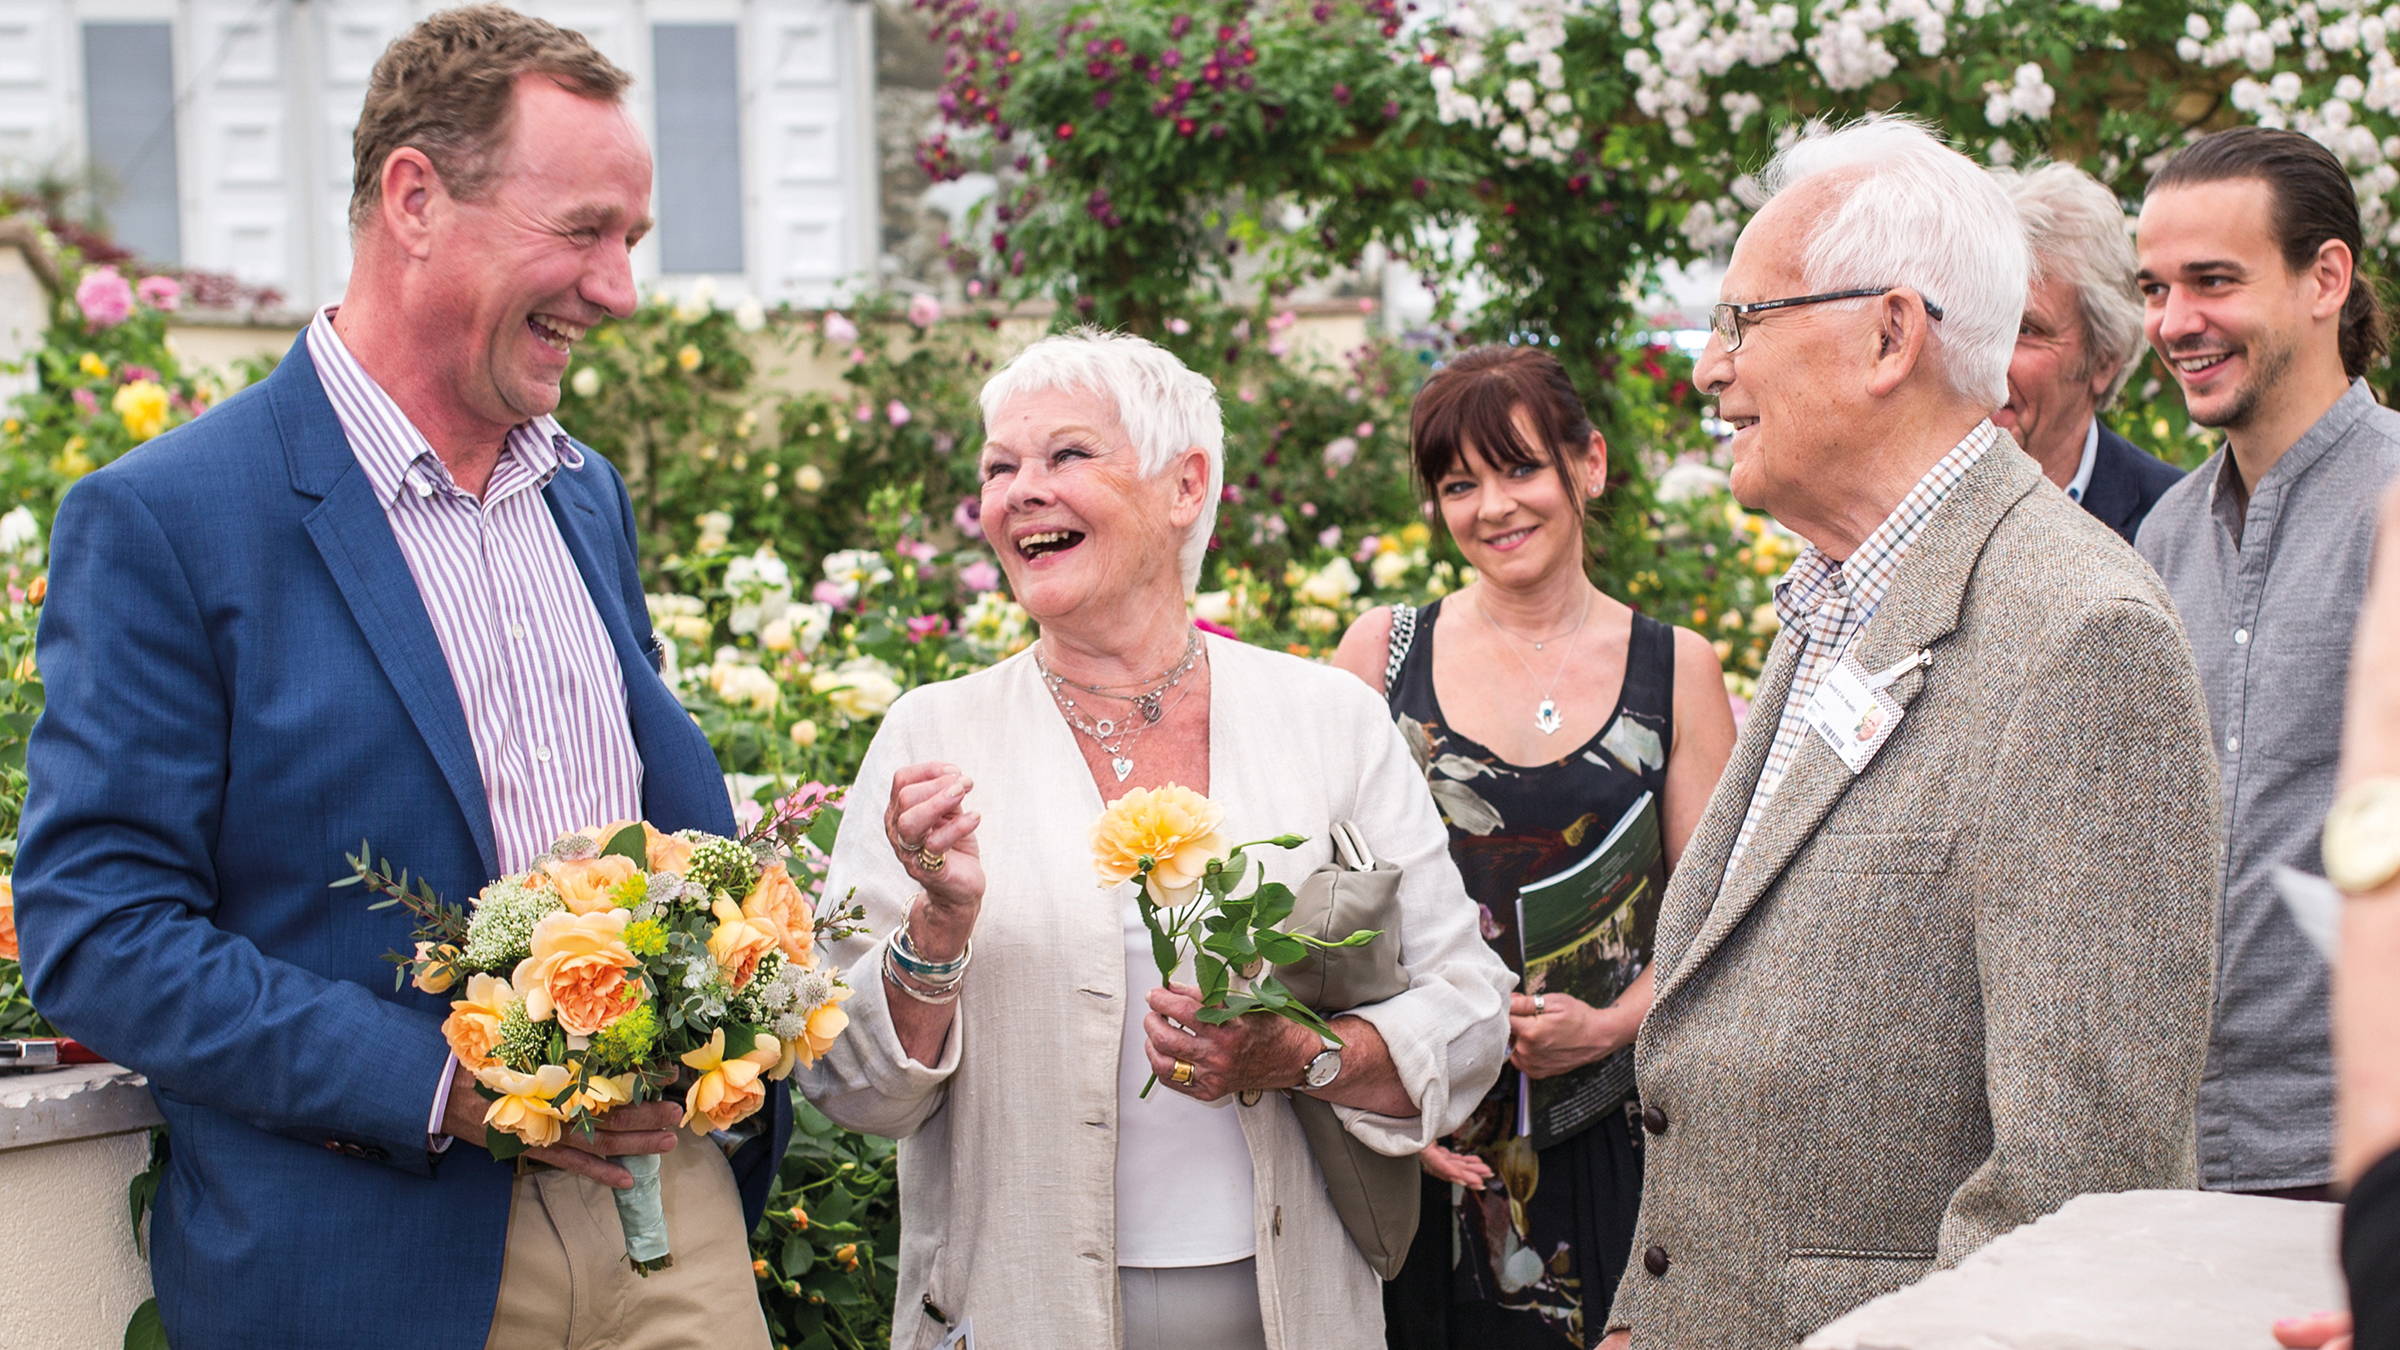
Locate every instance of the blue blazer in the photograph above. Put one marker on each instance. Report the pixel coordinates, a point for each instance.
(243, 684)
(2126, 483)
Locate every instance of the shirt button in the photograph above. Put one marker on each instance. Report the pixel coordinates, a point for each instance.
(542, 753)
(517, 631)
(2241, 637)
(2232, 744)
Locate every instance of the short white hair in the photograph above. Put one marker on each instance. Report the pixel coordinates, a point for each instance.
(2075, 230)
(1165, 407)
(1906, 210)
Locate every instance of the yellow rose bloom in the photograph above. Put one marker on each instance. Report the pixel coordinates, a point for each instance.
(740, 940)
(142, 406)
(473, 1027)
(826, 1023)
(436, 968)
(729, 1089)
(577, 971)
(526, 1107)
(600, 1094)
(688, 358)
(589, 885)
(1174, 829)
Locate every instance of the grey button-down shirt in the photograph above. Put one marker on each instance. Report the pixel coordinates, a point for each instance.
(2269, 595)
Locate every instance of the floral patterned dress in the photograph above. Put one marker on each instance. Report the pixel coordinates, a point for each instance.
(1534, 1259)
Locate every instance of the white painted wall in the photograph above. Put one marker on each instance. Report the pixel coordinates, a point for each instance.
(270, 94)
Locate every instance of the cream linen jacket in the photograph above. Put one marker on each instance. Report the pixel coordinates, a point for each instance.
(1008, 1144)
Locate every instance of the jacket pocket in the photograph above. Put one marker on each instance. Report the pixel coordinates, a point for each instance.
(936, 1310)
(1907, 851)
(1822, 1283)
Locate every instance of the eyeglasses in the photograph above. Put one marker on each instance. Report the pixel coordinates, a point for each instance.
(1726, 320)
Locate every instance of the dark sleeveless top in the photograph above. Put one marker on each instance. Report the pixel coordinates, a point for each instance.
(1475, 1276)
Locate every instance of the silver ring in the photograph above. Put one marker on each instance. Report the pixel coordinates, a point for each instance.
(1538, 1001)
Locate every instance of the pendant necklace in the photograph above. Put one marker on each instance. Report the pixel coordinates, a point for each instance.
(1546, 717)
(1113, 735)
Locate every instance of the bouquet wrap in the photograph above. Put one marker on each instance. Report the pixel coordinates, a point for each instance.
(643, 1211)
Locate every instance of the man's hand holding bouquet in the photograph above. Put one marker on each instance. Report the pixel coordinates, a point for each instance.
(628, 983)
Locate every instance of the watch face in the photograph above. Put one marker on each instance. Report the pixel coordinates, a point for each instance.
(1324, 1068)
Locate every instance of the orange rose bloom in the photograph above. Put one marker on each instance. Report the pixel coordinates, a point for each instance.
(577, 971)
(729, 1089)
(473, 1027)
(1173, 828)
(8, 919)
(740, 940)
(826, 1022)
(668, 853)
(589, 885)
(778, 897)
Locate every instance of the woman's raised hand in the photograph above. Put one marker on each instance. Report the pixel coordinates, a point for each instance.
(933, 834)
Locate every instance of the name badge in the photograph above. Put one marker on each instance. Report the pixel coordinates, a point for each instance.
(1852, 711)
(961, 1337)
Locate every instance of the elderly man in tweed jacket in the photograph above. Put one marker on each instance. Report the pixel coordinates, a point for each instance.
(1939, 955)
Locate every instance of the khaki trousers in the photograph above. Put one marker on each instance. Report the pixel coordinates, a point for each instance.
(1192, 1307)
(565, 1283)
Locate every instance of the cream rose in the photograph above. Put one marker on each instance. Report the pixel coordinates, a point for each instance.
(859, 689)
(577, 971)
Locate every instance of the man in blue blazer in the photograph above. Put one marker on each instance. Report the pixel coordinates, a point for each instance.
(317, 615)
(2079, 341)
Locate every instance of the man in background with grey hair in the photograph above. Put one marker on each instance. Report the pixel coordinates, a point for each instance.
(1899, 1010)
(2080, 341)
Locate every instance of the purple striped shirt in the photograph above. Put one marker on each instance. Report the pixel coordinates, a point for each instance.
(540, 684)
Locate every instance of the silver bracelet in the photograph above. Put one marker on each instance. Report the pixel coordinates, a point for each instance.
(930, 971)
(948, 994)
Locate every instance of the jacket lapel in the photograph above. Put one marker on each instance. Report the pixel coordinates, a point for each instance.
(680, 780)
(355, 539)
(1921, 608)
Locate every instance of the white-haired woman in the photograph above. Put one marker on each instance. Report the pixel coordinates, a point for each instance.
(1042, 1203)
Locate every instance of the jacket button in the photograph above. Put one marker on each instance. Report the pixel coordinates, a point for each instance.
(1653, 1119)
(1655, 1260)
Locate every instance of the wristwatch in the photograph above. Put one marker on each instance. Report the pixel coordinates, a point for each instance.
(1322, 1069)
(2361, 842)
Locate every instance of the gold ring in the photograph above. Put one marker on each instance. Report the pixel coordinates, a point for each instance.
(930, 861)
(1182, 1074)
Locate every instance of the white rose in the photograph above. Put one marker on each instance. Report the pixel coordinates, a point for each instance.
(21, 535)
(1331, 585)
(1214, 606)
(749, 316)
(809, 478)
(585, 382)
(1388, 568)
(776, 634)
(859, 688)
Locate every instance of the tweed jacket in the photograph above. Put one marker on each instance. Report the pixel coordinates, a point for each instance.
(1008, 1145)
(1944, 995)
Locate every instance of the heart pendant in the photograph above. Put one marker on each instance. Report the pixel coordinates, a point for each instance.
(1122, 765)
(1547, 719)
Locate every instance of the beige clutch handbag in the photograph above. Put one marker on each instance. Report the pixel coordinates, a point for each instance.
(1375, 1194)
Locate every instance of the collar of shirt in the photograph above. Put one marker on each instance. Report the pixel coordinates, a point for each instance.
(2082, 481)
(2230, 506)
(1867, 573)
(397, 457)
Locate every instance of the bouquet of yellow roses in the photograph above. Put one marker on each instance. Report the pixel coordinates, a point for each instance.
(1170, 842)
(627, 963)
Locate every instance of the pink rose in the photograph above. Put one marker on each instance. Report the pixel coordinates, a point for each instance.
(105, 297)
(89, 402)
(979, 576)
(1340, 451)
(923, 310)
(161, 293)
(839, 329)
(897, 412)
(1179, 327)
(826, 593)
(927, 625)
(968, 517)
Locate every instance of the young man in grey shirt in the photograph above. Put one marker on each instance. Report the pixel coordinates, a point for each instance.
(2249, 245)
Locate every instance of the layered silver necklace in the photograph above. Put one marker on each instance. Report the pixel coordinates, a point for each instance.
(1546, 717)
(1116, 735)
